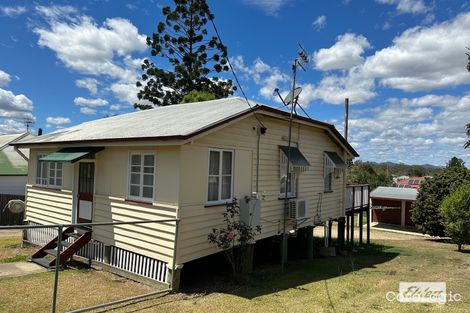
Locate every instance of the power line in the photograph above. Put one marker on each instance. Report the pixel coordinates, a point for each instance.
(233, 71)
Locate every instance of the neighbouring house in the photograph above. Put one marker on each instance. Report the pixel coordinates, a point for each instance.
(13, 165)
(410, 182)
(184, 161)
(392, 205)
(13, 176)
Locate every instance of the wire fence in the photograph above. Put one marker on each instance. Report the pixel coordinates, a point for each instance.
(112, 256)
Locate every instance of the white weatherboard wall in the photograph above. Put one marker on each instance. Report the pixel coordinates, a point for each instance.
(111, 202)
(48, 206)
(197, 220)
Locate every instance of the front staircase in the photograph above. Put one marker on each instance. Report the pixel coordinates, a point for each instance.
(80, 236)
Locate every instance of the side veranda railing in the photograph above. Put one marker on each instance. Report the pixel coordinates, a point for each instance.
(357, 203)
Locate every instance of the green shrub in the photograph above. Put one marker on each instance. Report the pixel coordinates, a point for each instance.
(455, 212)
(425, 211)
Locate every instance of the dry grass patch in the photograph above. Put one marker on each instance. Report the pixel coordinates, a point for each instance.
(343, 284)
(77, 288)
(11, 250)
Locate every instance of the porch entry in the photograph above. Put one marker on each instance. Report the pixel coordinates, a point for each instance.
(86, 187)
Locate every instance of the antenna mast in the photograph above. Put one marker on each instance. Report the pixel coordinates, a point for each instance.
(301, 60)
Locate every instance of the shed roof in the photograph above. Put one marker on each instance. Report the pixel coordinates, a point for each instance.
(174, 122)
(394, 193)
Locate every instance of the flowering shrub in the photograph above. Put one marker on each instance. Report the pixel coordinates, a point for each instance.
(234, 238)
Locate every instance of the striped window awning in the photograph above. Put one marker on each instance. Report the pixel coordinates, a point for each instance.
(336, 160)
(72, 155)
(297, 161)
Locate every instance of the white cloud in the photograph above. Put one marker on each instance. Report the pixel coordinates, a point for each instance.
(345, 53)
(334, 89)
(427, 129)
(13, 11)
(407, 6)
(57, 12)
(319, 23)
(93, 49)
(268, 77)
(58, 120)
(12, 127)
(14, 103)
(269, 7)
(115, 107)
(87, 111)
(424, 58)
(4, 78)
(13, 110)
(90, 102)
(90, 48)
(90, 84)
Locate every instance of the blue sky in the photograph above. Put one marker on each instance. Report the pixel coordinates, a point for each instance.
(401, 63)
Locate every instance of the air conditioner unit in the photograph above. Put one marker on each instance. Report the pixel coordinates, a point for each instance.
(297, 209)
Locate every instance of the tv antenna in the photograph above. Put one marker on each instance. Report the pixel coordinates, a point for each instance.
(28, 122)
(291, 99)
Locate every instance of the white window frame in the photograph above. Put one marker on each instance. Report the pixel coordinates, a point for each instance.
(282, 173)
(220, 175)
(141, 183)
(44, 181)
(328, 170)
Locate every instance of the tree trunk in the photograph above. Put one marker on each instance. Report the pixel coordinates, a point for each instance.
(459, 247)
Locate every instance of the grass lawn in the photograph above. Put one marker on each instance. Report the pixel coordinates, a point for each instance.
(342, 284)
(79, 287)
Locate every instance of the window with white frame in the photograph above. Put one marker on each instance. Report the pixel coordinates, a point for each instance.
(328, 169)
(220, 175)
(49, 174)
(142, 176)
(292, 183)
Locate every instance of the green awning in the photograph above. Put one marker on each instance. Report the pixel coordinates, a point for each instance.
(336, 159)
(72, 155)
(296, 157)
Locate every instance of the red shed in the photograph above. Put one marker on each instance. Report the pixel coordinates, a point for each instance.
(392, 205)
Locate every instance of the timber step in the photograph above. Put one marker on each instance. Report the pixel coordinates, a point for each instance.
(80, 237)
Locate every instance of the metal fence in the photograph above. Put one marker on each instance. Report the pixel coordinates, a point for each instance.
(95, 250)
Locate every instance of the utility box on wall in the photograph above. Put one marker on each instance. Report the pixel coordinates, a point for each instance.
(250, 210)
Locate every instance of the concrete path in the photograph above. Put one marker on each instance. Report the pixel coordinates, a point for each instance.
(11, 233)
(19, 269)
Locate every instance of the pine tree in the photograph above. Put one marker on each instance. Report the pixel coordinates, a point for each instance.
(183, 40)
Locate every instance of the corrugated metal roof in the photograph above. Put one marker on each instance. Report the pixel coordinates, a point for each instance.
(394, 193)
(11, 163)
(174, 122)
(167, 121)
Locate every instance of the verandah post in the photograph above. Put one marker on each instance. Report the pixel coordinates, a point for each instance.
(368, 215)
(361, 217)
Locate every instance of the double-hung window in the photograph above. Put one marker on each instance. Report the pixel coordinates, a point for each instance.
(332, 162)
(220, 175)
(292, 183)
(328, 169)
(142, 176)
(49, 174)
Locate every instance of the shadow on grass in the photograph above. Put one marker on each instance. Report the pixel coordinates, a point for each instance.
(211, 274)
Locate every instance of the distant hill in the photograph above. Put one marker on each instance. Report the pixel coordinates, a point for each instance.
(400, 169)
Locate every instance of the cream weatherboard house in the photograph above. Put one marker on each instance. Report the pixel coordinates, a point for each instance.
(184, 161)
